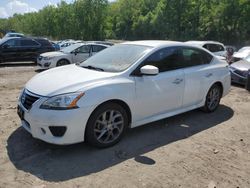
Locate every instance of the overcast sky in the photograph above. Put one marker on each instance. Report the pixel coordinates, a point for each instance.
(10, 7)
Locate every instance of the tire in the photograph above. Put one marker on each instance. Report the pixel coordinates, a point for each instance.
(62, 62)
(213, 99)
(106, 125)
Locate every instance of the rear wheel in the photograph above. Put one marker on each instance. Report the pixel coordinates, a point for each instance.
(106, 125)
(62, 62)
(213, 98)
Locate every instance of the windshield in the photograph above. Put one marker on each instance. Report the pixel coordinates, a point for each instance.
(116, 58)
(70, 48)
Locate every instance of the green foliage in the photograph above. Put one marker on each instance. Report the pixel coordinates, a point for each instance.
(223, 20)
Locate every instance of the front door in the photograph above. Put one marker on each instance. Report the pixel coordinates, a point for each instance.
(81, 54)
(162, 93)
(10, 50)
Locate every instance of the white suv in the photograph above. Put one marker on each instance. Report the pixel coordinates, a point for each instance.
(216, 48)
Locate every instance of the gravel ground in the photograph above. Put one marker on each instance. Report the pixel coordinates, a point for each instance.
(193, 149)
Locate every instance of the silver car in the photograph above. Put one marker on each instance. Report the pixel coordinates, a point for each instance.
(239, 71)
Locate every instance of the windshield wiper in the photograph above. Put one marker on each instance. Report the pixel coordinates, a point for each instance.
(93, 68)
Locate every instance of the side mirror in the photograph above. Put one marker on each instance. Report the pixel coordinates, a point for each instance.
(5, 46)
(149, 70)
(74, 52)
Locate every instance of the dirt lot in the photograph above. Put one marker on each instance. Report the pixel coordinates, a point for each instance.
(189, 150)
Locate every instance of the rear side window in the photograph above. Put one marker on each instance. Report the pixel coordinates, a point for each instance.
(214, 47)
(43, 42)
(97, 48)
(193, 57)
(28, 42)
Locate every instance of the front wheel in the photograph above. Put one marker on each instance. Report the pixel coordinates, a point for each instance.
(213, 98)
(106, 125)
(62, 62)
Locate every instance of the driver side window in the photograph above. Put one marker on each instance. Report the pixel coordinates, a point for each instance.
(12, 43)
(83, 49)
(165, 59)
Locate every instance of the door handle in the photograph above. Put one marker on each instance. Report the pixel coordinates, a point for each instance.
(177, 81)
(209, 75)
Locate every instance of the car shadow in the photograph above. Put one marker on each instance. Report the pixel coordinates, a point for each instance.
(18, 64)
(60, 163)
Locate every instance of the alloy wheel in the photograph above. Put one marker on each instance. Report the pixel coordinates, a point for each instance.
(109, 126)
(213, 98)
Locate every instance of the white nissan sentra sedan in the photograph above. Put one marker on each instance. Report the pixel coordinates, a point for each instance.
(122, 87)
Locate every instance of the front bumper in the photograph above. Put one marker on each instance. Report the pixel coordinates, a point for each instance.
(38, 122)
(45, 64)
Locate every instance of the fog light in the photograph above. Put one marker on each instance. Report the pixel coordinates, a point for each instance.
(47, 64)
(57, 131)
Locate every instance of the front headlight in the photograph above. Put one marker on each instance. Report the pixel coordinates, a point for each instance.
(48, 58)
(62, 102)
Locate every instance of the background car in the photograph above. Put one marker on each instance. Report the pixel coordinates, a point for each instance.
(11, 34)
(241, 53)
(239, 70)
(55, 45)
(126, 85)
(23, 48)
(216, 48)
(72, 54)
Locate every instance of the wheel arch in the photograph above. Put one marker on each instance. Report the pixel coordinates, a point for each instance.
(63, 59)
(220, 85)
(119, 102)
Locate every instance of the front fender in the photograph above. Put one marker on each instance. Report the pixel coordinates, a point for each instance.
(116, 89)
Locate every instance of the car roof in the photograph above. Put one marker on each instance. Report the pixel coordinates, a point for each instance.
(93, 43)
(14, 34)
(154, 43)
(164, 43)
(201, 43)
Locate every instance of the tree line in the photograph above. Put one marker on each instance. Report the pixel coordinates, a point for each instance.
(227, 21)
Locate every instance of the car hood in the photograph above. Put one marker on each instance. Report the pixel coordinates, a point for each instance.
(65, 79)
(241, 65)
(241, 55)
(52, 54)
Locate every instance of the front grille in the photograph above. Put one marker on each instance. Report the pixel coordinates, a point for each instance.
(241, 73)
(27, 100)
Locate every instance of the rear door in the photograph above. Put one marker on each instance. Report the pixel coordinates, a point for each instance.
(198, 74)
(29, 49)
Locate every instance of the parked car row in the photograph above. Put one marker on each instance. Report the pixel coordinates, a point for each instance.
(46, 53)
